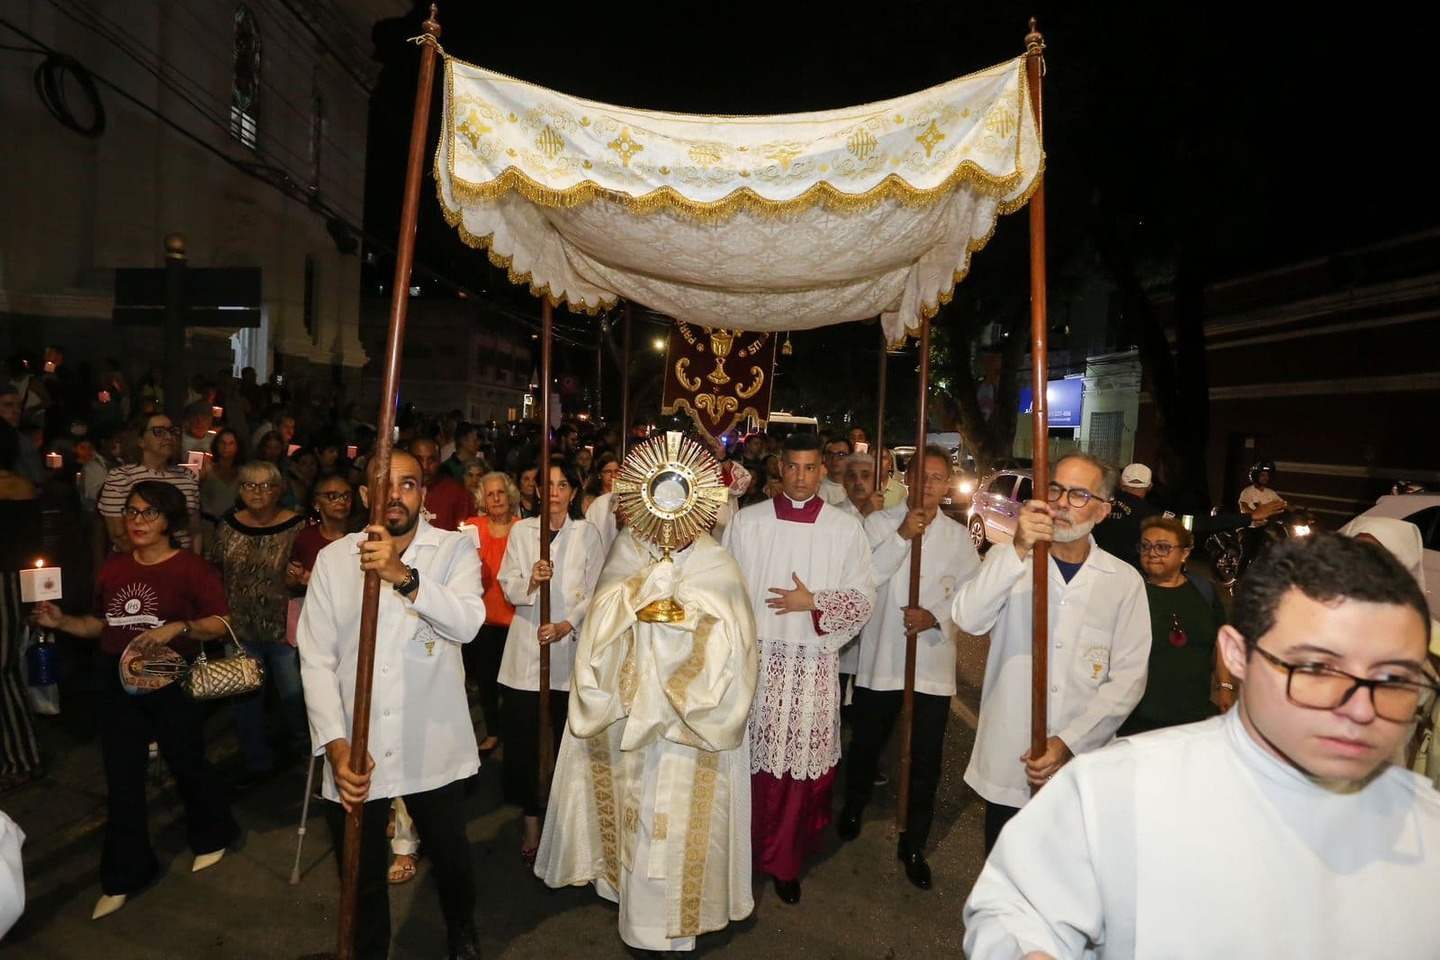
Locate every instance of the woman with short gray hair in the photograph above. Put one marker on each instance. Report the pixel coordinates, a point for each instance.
(252, 549)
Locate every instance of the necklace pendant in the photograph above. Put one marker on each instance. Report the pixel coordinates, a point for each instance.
(1177, 636)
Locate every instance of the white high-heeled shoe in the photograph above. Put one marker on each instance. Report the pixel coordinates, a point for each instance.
(107, 904)
(204, 861)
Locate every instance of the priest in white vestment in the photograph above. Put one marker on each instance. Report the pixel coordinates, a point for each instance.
(651, 794)
(812, 588)
(1279, 829)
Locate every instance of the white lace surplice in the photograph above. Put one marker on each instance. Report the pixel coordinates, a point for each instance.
(795, 724)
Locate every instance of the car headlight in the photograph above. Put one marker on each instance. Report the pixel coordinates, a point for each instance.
(966, 487)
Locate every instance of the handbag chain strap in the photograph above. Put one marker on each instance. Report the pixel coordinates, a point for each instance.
(239, 649)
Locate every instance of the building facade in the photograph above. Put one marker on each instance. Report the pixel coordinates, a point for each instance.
(1331, 369)
(241, 126)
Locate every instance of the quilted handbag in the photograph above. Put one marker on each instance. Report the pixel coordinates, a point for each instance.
(212, 679)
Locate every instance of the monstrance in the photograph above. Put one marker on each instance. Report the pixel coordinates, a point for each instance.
(669, 491)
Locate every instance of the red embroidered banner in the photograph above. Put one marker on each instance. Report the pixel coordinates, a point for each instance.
(718, 375)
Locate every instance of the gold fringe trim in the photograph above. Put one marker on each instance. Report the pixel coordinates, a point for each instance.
(741, 199)
(454, 217)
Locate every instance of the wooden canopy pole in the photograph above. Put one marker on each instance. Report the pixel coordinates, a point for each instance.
(380, 474)
(1040, 470)
(917, 498)
(625, 386)
(879, 451)
(542, 482)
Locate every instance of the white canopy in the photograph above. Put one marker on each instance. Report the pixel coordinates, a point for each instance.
(753, 223)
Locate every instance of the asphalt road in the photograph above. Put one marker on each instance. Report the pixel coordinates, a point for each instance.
(857, 903)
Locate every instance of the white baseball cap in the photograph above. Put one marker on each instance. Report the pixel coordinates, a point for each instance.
(1135, 475)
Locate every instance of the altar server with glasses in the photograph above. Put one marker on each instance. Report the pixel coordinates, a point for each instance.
(1278, 829)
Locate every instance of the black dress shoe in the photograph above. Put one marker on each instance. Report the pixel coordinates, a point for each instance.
(848, 826)
(788, 890)
(917, 870)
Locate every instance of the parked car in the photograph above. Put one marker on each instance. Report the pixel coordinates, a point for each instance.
(1423, 510)
(995, 507)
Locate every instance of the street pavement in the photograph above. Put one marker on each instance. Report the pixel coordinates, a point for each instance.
(856, 903)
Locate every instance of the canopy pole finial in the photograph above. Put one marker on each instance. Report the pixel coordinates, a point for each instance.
(431, 26)
(1034, 40)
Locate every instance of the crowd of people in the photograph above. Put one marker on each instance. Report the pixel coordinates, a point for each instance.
(1293, 707)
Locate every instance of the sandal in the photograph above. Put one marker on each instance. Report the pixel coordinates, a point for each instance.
(528, 856)
(402, 868)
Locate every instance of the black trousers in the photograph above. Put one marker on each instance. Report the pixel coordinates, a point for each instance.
(520, 711)
(439, 817)
(996, 816)
(128, 724)
(872, 720)
(482, 666)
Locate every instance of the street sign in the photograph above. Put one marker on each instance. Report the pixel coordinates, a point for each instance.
(213, 297)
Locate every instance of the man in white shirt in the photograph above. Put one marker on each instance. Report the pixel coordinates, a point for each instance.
(1099, 626)
(948, 559)
(861, 500)
(1279, 829)
(422, 743)
(894, 488)
(832, 485)
(807, 566)
(1259, 493)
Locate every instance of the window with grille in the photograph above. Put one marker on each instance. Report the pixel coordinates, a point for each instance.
(245, 84)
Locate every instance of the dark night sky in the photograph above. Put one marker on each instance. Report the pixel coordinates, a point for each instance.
(1290, 139)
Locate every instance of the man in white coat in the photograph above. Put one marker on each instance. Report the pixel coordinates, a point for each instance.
(1279, 829)
(1099, 626)
(807, 565)
(421, 742)
(947, 560)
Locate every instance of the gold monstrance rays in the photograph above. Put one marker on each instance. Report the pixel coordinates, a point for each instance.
(670, 490)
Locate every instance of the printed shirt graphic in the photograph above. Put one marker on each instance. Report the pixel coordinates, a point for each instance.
(132, 597)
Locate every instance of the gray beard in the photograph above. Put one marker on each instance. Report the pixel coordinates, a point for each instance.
(1077, 532)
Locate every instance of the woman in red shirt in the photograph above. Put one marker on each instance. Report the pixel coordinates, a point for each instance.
(498, 499)
(157, 595)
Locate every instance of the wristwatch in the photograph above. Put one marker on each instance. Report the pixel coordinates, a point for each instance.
(185, 630)
(410, 584)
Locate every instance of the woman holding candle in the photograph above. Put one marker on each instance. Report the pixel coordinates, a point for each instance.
(220, 480)
(19, 547)
(1185, 616)
(156, 595)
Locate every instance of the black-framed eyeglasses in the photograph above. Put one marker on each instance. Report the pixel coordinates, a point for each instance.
(1320, 687)
(336, 496)
(1159, 549)
(251, 486)
(837, 454)
(148, 515)
(164, 431)
(1077, 497)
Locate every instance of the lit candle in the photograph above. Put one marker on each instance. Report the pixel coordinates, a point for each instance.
(352, 451)
(217, 412)
(54, 461)
(39, 583)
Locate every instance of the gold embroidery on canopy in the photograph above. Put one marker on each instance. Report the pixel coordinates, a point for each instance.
(722, 208)
(821, 193)
(930, 138)
(625, 146)
(550, 142)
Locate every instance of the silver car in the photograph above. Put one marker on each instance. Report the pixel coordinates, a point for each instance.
(995, 509)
